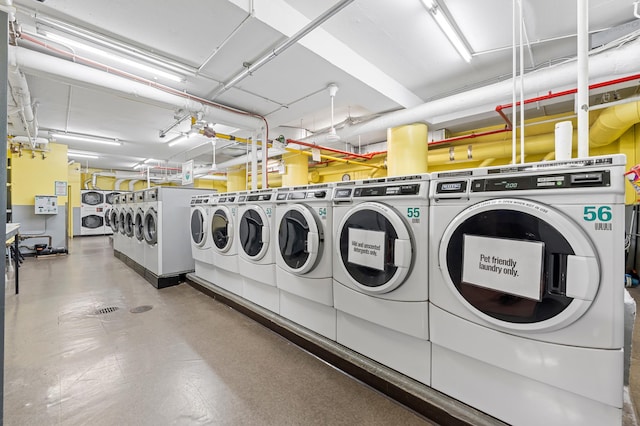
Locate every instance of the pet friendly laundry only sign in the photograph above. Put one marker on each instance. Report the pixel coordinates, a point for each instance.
(509, 266)
(366, 248)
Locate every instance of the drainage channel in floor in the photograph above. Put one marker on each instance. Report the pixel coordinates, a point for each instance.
(106, 310)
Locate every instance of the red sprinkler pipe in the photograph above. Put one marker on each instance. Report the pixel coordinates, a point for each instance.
(325, 148)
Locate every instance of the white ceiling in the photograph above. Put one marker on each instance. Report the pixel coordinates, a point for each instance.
(383, 55)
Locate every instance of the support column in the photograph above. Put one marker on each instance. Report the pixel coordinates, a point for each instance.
(297, 170)
(237, 180)
(407, 149)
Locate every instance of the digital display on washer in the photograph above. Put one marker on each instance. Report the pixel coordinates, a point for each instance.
(451, 187)
(297, 196)
(343, 193)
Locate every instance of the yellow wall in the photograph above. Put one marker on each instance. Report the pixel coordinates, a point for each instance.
(33, 175)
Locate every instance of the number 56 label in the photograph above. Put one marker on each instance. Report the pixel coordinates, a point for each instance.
(592, 213)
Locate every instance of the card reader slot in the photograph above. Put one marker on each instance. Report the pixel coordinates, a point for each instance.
(586, 178)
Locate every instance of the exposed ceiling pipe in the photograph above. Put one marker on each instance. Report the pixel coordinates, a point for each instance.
(582, 98)
(479, 102)
(117, 183)
(86, 183)
(126, 84)
(281, 47)
(22, 97)
(132, 184)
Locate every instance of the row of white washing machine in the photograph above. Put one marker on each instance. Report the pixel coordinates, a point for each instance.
(95, 211)
(501, 287)
(150, 233)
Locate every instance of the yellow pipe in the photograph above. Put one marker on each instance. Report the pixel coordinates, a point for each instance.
(550, 156)
(328, 157)
(297, 170)
(613, 122)
(487, 162)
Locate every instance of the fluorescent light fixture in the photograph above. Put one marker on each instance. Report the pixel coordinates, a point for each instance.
(103, 54)
(83, 138)
(182, 138)
(149, 160)
(81, 155)
(447, 28)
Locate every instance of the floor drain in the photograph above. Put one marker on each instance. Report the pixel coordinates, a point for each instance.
(106, 310)
(140, 309)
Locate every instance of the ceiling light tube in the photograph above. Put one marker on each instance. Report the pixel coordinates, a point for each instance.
(104, 54)
(80, 155)
(149, 160)
(448, 29)
(82, 138)
(179, 139)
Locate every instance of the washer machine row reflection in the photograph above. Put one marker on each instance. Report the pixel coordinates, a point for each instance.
(526, 270)
(380, 271)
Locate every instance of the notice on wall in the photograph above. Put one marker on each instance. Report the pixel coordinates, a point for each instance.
(366, 248)
(505, 265)
(187, 173)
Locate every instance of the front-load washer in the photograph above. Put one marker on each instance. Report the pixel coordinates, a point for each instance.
(167, 236)
(201, 244)
(304, 272)
(109, 201)
(223, 229)
(526, 320)
(91, 212)
(137, 245)
(115, 224)
(129, 218)
(380, 284)
(256, 248)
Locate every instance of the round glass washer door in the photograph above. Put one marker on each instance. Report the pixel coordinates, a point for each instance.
(114, 220)
(300, 239)
(129, 223)
(150, 226)
(569, 269)
(138, 225)
(375, 247)
(222, 229)
(122, 221)
(254, 233)
(198, 226)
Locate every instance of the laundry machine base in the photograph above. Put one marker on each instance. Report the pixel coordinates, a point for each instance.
(411, 318)
(265, 273)
(204, 270)
(406, 354)
(563, 367)
(316, 289)
(203, 256)
(164, 280)
(261, 294)
(317, 317)
(513, 398)
(228, 280)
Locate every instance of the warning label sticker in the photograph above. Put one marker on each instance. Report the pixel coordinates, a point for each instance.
(509, 266)
(366, 248)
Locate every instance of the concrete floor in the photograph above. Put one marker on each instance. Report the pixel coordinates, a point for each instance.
(189, 360)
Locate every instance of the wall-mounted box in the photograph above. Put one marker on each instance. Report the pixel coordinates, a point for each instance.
(46, 204)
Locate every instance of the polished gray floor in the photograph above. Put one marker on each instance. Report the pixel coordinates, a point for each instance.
(189, 360)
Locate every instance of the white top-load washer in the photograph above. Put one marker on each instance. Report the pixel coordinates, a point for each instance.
(256, 248)
(137, 245)
(167, 235)
(201, 240)
(304, 272)
(223, 230)
(380, 284)
(527, 308)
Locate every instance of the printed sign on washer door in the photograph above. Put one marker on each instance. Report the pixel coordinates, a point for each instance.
(505, 265)
(366, 248)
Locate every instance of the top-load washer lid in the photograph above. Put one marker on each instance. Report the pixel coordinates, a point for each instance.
(129, 220)
(300, 239)
(254, 232)
(138, 225)
(92, 198)
(198, 226)
(375, 247)
(222, 229)
(150, 226)
(519, 264)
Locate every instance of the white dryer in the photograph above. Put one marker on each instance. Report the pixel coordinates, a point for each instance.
(201, 240)
(167, 236)
(91, 212)
(256, 248)
(380, 284)
(137, 245)
(223, 229)
(527, 306)
(304, 272)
